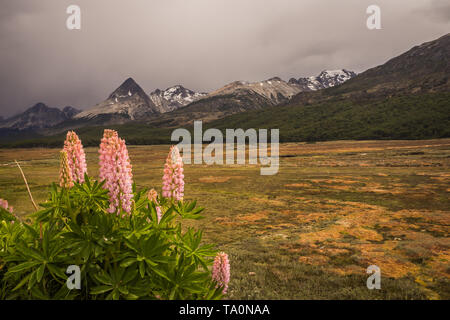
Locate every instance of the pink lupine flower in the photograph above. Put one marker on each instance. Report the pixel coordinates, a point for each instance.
(152, 195)
(115, 169)
(4, 204)
(76, 156)
(159, 213)
(221, 271)
(65, 173)
(173, 179)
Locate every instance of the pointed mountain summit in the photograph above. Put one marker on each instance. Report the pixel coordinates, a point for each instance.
(127, 102)
(128, 87)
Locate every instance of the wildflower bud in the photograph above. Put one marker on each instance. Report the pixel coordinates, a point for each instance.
(65, 174)
(76, 156)
(173, 179)
(221, 271)
(152, 195)
(159, 213)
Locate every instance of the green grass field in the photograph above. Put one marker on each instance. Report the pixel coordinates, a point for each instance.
(310, 231)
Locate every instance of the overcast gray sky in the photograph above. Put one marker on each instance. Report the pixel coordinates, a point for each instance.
(201, 44)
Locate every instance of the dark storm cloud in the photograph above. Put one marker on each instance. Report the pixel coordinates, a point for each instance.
(438, 9)
(202, 44)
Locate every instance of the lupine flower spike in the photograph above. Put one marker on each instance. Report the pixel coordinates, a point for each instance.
(173, 179)
(153, 196)
(65, 173)
(221, 271)
(115, 169)
(76, 156)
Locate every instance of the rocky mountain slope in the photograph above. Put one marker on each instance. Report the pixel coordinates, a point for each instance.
(39, 116)
(127, 102)
(241, 96)
(174, 97)
(423, 69)
(326, 79)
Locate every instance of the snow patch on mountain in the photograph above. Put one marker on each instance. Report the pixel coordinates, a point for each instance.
(128, 101)
(174, 97)
(274, 89)
(326, 79)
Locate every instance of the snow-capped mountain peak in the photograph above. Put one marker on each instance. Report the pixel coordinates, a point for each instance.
(326, 79)
(174, 97)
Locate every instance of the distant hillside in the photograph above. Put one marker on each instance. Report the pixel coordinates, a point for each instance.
(403, 117)
(38, 116)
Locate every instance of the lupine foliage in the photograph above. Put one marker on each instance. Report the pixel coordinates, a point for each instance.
(145, 254)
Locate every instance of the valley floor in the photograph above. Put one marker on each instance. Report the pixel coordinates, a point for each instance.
(310, 231)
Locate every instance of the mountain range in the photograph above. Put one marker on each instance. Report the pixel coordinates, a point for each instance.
(129, 102)
(39, 116)
(326, 79)
(407, 97)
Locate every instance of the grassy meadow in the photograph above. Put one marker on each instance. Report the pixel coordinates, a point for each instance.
(310, 231)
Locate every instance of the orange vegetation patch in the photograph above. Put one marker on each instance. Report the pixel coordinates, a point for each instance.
(440, 263)
(361, 228)
(219, 179)
(225, 221)
(211, 179)
(269, 202)
(314, 259)
(289, 212)
(332, 251)
(314, 217)
(254, 216)
(298, 185)
(391, 266)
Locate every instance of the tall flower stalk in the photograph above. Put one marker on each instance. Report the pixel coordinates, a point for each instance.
(115, 169)
(173, 179)
(221, 271)
(65, 173)
(75, 156)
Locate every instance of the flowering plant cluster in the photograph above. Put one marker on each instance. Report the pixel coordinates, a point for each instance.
(128, 244)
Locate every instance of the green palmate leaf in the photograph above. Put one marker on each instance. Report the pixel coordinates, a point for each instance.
(101, 289)
(135, 257)
(128, 262)
(23, 267)
(57, 271)
(22, 282)
(142, 268)
(33, 279)
(40, 272)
